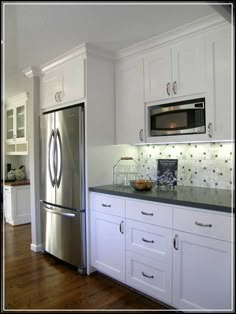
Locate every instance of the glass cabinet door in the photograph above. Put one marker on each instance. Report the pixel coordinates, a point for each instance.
(20, 122)
(10, 124)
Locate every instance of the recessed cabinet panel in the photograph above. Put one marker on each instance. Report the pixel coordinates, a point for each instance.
(130, 102)
(108, 244)
(201, 273)
(64, 84)
(188, 67)
(157, 74)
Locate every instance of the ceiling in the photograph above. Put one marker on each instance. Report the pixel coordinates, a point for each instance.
(36, 33)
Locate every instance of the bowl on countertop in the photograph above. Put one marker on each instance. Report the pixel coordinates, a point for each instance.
(142, 184)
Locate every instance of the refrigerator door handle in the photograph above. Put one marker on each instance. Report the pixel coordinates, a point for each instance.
(58, 158)
(50, 156)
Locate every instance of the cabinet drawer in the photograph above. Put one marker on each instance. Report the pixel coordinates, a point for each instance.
(148, 212)
(151, 241)
(205, 224)
(149, 276)
(107, 204)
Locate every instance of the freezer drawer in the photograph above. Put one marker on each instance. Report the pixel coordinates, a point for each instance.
(64, 234)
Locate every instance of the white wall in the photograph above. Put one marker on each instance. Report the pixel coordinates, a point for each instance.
(101, 160)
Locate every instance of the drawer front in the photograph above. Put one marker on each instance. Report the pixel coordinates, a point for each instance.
(151, 241)
(149, 276)
(205, 224)
(107, 204)
(148, 212)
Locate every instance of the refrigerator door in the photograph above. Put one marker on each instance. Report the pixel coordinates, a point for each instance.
(64, 234)
(48, 166)
(69, 157)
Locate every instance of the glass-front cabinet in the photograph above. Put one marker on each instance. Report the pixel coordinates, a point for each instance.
(16, 125)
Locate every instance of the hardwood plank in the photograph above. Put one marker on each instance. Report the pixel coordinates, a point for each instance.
(37, 281)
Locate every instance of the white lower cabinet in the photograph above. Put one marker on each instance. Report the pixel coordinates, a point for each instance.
(201, 273)
(108, 244)
(17, 204)
(149, 259)
(178, 255)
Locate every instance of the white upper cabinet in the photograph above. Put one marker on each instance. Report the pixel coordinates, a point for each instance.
(218, 69)
(16, 125)
(175, 70)
(188, 67)
(157, 74)
(130, 102)
(64, 84)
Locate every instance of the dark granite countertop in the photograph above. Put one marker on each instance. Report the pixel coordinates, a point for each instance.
(205, 198)
(15, 182)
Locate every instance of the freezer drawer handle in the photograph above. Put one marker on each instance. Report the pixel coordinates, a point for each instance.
(147, 276)
(106, 205)
(148, 241)
(147, 214)
(200, 224)
(61, 214)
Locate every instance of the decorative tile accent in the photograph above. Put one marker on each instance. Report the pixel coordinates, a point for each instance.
(204, 164)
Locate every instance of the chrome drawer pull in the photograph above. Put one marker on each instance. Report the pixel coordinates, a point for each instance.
(147, 276)
(106, 205)
(147, 214)
(148, 241)
(203, 225)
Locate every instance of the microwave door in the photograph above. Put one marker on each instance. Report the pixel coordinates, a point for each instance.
(177, 120)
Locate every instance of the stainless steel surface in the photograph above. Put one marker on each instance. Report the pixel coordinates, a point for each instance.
(141, 135)
(200, 129)
(64, 234)
(63, 185)
(176, 242)
(147, 214)
(209, 129)
(147, 276)
(70, 192)
(200, 224)
(148, 241)
(175, 87)
(168, 89)
(161, 109)
(47, 123)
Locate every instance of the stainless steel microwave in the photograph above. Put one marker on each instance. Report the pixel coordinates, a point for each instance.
(184, 117)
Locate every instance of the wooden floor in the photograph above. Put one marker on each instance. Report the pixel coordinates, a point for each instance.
(38, 281)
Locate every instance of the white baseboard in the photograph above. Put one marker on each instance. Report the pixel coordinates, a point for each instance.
(36, 247)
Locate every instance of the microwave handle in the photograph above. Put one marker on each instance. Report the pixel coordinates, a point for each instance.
(141, 135)
(174, 108)
(209, 129)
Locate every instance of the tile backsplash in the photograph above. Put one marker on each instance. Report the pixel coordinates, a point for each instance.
(202, 164)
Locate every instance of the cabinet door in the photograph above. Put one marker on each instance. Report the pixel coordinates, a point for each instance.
(157, 75)
(8, 204)
(218, 69)
(188, 67)
(20, 122)
(201, 272)
(73, 87)
(51, 84)
(129, 102)
(108, 244)
(10, 124)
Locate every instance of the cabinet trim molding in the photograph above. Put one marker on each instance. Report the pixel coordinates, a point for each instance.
(209, 22)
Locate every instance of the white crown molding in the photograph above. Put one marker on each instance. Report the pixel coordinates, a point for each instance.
(178, 33)
(71, 54)
(31, 72)
(22, 97)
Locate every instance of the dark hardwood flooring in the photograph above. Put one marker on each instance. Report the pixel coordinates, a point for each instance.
(38, 282)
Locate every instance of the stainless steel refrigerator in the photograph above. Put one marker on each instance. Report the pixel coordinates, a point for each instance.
(63, 185)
